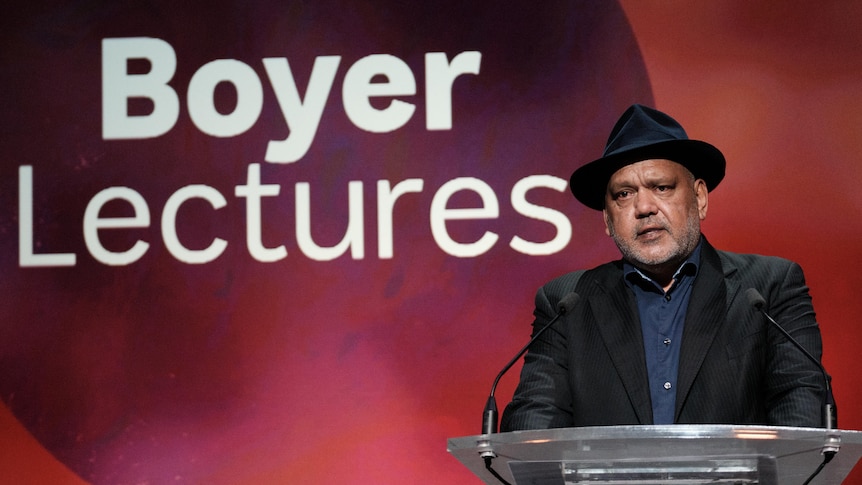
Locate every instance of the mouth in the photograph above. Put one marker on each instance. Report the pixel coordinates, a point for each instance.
(650, 232)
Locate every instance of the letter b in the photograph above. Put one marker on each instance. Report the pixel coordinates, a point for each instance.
(118, 86)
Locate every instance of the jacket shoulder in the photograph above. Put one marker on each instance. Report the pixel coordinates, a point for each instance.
(569, 282)
(745, 263)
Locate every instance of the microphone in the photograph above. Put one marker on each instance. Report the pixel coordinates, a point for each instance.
(829, 416)
(489, 418)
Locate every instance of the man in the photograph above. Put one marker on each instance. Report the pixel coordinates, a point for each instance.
(667, 334)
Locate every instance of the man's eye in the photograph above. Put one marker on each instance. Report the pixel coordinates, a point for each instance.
(622, 194)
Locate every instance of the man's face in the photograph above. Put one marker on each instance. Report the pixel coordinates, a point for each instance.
(653, 210)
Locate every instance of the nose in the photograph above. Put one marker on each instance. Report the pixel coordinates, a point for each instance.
(645, 204)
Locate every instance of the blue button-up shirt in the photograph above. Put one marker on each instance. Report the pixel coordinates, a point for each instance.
(662, 317)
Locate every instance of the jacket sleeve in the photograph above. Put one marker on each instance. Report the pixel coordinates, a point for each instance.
(795, 388)
(542, 399)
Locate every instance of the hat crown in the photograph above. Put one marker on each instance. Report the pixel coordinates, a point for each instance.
(641, 126)
(643, 133)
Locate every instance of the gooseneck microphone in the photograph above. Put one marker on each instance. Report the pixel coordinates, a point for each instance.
(489, 417)
(829, 418)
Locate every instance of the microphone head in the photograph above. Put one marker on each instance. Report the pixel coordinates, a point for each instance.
(755, 298)
(568, 302)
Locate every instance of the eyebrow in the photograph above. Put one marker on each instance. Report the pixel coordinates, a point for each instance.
(648, 181)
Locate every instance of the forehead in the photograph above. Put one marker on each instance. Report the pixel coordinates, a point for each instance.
(648, 170)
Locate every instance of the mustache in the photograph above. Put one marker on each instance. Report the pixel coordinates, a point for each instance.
(651, 224)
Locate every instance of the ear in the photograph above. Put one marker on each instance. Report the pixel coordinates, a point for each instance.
(702, 195)
(607, 222)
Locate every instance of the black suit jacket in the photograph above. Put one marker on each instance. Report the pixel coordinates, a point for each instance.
(589, 368)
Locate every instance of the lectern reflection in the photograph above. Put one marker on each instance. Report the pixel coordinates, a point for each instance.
(722, 470)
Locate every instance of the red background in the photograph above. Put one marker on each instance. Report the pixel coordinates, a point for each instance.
(774, 86)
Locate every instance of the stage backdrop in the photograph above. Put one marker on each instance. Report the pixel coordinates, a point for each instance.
(293, 242)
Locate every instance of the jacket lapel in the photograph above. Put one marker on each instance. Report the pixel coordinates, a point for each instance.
(615, 312)
(710, 299)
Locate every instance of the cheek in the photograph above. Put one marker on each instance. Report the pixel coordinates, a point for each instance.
(617, 227)
(678, 213)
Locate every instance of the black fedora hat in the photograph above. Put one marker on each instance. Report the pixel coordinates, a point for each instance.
(643, 133)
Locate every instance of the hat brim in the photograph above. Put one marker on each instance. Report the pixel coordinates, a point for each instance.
(589, 183)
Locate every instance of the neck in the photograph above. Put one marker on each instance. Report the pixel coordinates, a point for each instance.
(663, 273)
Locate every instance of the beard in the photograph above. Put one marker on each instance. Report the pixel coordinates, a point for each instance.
(684, 241)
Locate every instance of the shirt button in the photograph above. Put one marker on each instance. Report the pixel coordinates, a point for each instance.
(667, 385)
(666, 341)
